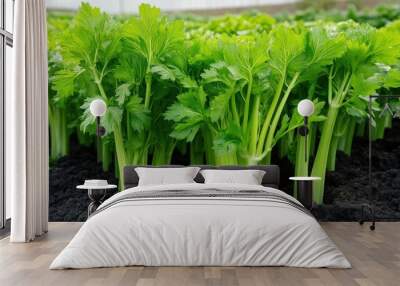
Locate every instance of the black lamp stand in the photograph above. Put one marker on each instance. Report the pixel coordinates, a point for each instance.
(303, 131)
(370, 206)
(100, 131)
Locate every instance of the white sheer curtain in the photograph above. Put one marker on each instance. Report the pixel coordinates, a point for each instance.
(27, 124)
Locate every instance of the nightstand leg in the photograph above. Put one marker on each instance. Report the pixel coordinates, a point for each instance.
(305, 193)
(96, 197)
(92, 207)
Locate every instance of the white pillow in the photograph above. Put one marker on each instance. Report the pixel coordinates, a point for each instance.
(166, 176)
(248, 177)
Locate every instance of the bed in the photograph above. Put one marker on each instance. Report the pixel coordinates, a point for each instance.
(197, 224)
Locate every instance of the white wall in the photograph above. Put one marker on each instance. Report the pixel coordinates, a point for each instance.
(130, 6)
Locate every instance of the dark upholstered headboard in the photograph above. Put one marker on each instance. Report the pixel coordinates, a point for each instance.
(270, 179)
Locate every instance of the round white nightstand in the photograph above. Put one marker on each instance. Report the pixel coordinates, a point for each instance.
(96, 195)
(305, 190)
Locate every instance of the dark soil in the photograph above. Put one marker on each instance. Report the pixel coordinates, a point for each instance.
(66, 203)
(346, 187)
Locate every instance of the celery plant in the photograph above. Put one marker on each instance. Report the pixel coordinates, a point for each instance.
(352, 75)
(226, 93)
(59, 96)
(89, 48)
(159, 44)
(307, 56)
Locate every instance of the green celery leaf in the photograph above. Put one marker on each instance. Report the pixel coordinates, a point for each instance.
(112, 118)
(228, 140)
(392, 79)
(122, 93)
(139, 116)
(283, 57)
(63, 81)
(220, 105)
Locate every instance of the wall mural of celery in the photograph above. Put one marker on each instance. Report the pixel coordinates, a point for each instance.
(221, 94)
(355, 74)
(58, 101)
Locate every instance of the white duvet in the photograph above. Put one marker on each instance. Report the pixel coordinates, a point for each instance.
(199, 231)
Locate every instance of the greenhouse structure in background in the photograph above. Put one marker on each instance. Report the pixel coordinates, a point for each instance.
(131, 6)
(220, 90)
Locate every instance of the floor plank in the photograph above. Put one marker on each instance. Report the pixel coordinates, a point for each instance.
(375, 257)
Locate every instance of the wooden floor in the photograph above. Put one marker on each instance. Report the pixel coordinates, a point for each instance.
(375, 257)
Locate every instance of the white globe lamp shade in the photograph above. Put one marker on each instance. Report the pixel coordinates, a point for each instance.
(305, 108)
(98, 107)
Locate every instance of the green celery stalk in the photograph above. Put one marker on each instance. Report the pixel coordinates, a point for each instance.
(197, 151)
(253, 132)
(277, 116)
(320, 163)
(59, 138)
(360, 130)
(388, 121)
(106, 158)
(120, 152)
(247, 105)
(321, 159)
(268, 118)
(349, 136)
(331, 165)
(378, 131)
(162, 154)
(148, 80)
(208, 147)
